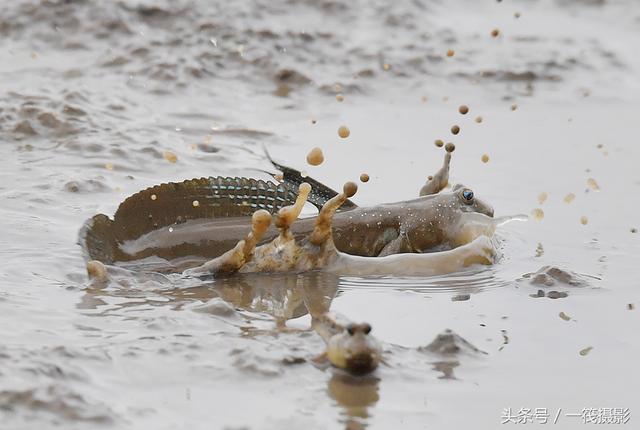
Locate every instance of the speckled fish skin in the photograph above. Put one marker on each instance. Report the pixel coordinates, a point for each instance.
(170, 226)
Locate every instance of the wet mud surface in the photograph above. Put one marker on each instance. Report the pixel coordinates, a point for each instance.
(99, 100)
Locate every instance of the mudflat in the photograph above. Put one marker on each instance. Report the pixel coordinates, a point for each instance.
(100, 100)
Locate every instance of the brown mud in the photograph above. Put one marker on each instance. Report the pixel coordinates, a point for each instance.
(99, 100)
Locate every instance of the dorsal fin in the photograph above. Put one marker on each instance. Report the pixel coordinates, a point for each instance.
(215, 197)
(320, 193)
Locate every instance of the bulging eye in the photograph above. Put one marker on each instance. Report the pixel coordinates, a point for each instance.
(366, 328)
(467, 195)
(351, 329)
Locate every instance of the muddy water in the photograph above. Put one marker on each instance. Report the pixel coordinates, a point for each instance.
(101, 99)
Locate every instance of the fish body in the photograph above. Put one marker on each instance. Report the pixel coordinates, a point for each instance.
(203, 218)
(171, 227)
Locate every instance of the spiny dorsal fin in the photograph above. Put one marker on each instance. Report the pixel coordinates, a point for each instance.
(215, 197)
(320, 193)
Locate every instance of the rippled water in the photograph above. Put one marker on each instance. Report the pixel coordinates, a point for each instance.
(96, 99)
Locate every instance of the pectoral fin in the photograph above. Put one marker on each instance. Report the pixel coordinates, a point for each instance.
(321, 361)
(396, 246)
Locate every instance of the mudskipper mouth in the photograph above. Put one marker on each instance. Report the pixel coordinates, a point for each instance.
(484, 208)
(361, 363)
(488, 211)
(480, 207)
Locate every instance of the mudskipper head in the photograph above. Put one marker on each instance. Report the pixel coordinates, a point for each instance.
(468, 202)
(354, 350)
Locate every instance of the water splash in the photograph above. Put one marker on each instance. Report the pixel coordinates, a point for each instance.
(474, 233)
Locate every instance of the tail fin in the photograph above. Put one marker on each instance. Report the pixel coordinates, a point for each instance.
(97, 240)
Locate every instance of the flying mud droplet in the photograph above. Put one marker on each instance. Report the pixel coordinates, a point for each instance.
(424, 99)
(634, 230)
(337, 88)
(516, 15)
(364, 177)
(586, 350)
(630, 306)
(313, 121)
(170, 156)
(439, 143)
(569, 198)
(108, 166)
(485, 158)
(455, 130)
(339, 97)
(315, 157)
(464, 109)
(479, 119)
(584, 220)
(451, 53)
(386, 66)
(593, 184)
(514, 108)
(195, 203)
(537, 214)
(350, 189)
(542, 197)
(564, 316)
(344, 131)
(539, 250)
(154, 197)
(449, 147)
(495, 32)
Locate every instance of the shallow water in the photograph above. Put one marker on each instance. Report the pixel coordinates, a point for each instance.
(94, 94)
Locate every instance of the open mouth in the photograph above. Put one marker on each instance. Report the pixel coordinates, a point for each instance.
(361, 363)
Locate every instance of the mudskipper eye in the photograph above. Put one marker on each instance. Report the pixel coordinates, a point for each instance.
(366, 328)
(351, 329)
(467, 195)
